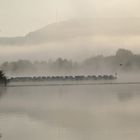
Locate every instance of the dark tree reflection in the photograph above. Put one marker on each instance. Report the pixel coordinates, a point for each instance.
(2, 91)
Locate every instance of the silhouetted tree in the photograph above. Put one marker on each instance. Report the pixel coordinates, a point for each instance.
(3, 79)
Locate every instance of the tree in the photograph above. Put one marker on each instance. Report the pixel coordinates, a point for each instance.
(124, 53)
(3, 79)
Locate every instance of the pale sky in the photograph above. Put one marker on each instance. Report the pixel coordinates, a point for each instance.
(18, 17)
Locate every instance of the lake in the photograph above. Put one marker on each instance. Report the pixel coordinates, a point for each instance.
(87, 112)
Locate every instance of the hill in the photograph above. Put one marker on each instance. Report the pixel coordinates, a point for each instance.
(76, 28)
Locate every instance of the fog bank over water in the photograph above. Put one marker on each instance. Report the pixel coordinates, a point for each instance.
(74, 39)
(123, 62)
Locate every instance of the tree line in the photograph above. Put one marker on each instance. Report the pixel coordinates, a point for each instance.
(124, 61)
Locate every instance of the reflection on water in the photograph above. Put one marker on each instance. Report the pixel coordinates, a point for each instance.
(2, 91)
(101, 112)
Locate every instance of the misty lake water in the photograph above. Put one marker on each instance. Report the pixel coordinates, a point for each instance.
(88, 112)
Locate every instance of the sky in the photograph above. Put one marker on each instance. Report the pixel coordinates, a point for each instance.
(18, 17)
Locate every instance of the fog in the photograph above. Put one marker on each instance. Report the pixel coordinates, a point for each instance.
(71, 29)
(69, 38)
(40, 13)
(75, 39)
(124, 63)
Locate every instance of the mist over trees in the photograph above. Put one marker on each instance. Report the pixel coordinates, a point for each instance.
(123, 61)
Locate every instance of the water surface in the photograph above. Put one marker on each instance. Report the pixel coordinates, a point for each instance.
(94, 112)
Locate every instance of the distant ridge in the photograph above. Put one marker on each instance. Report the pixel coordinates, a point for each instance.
(76, 28)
